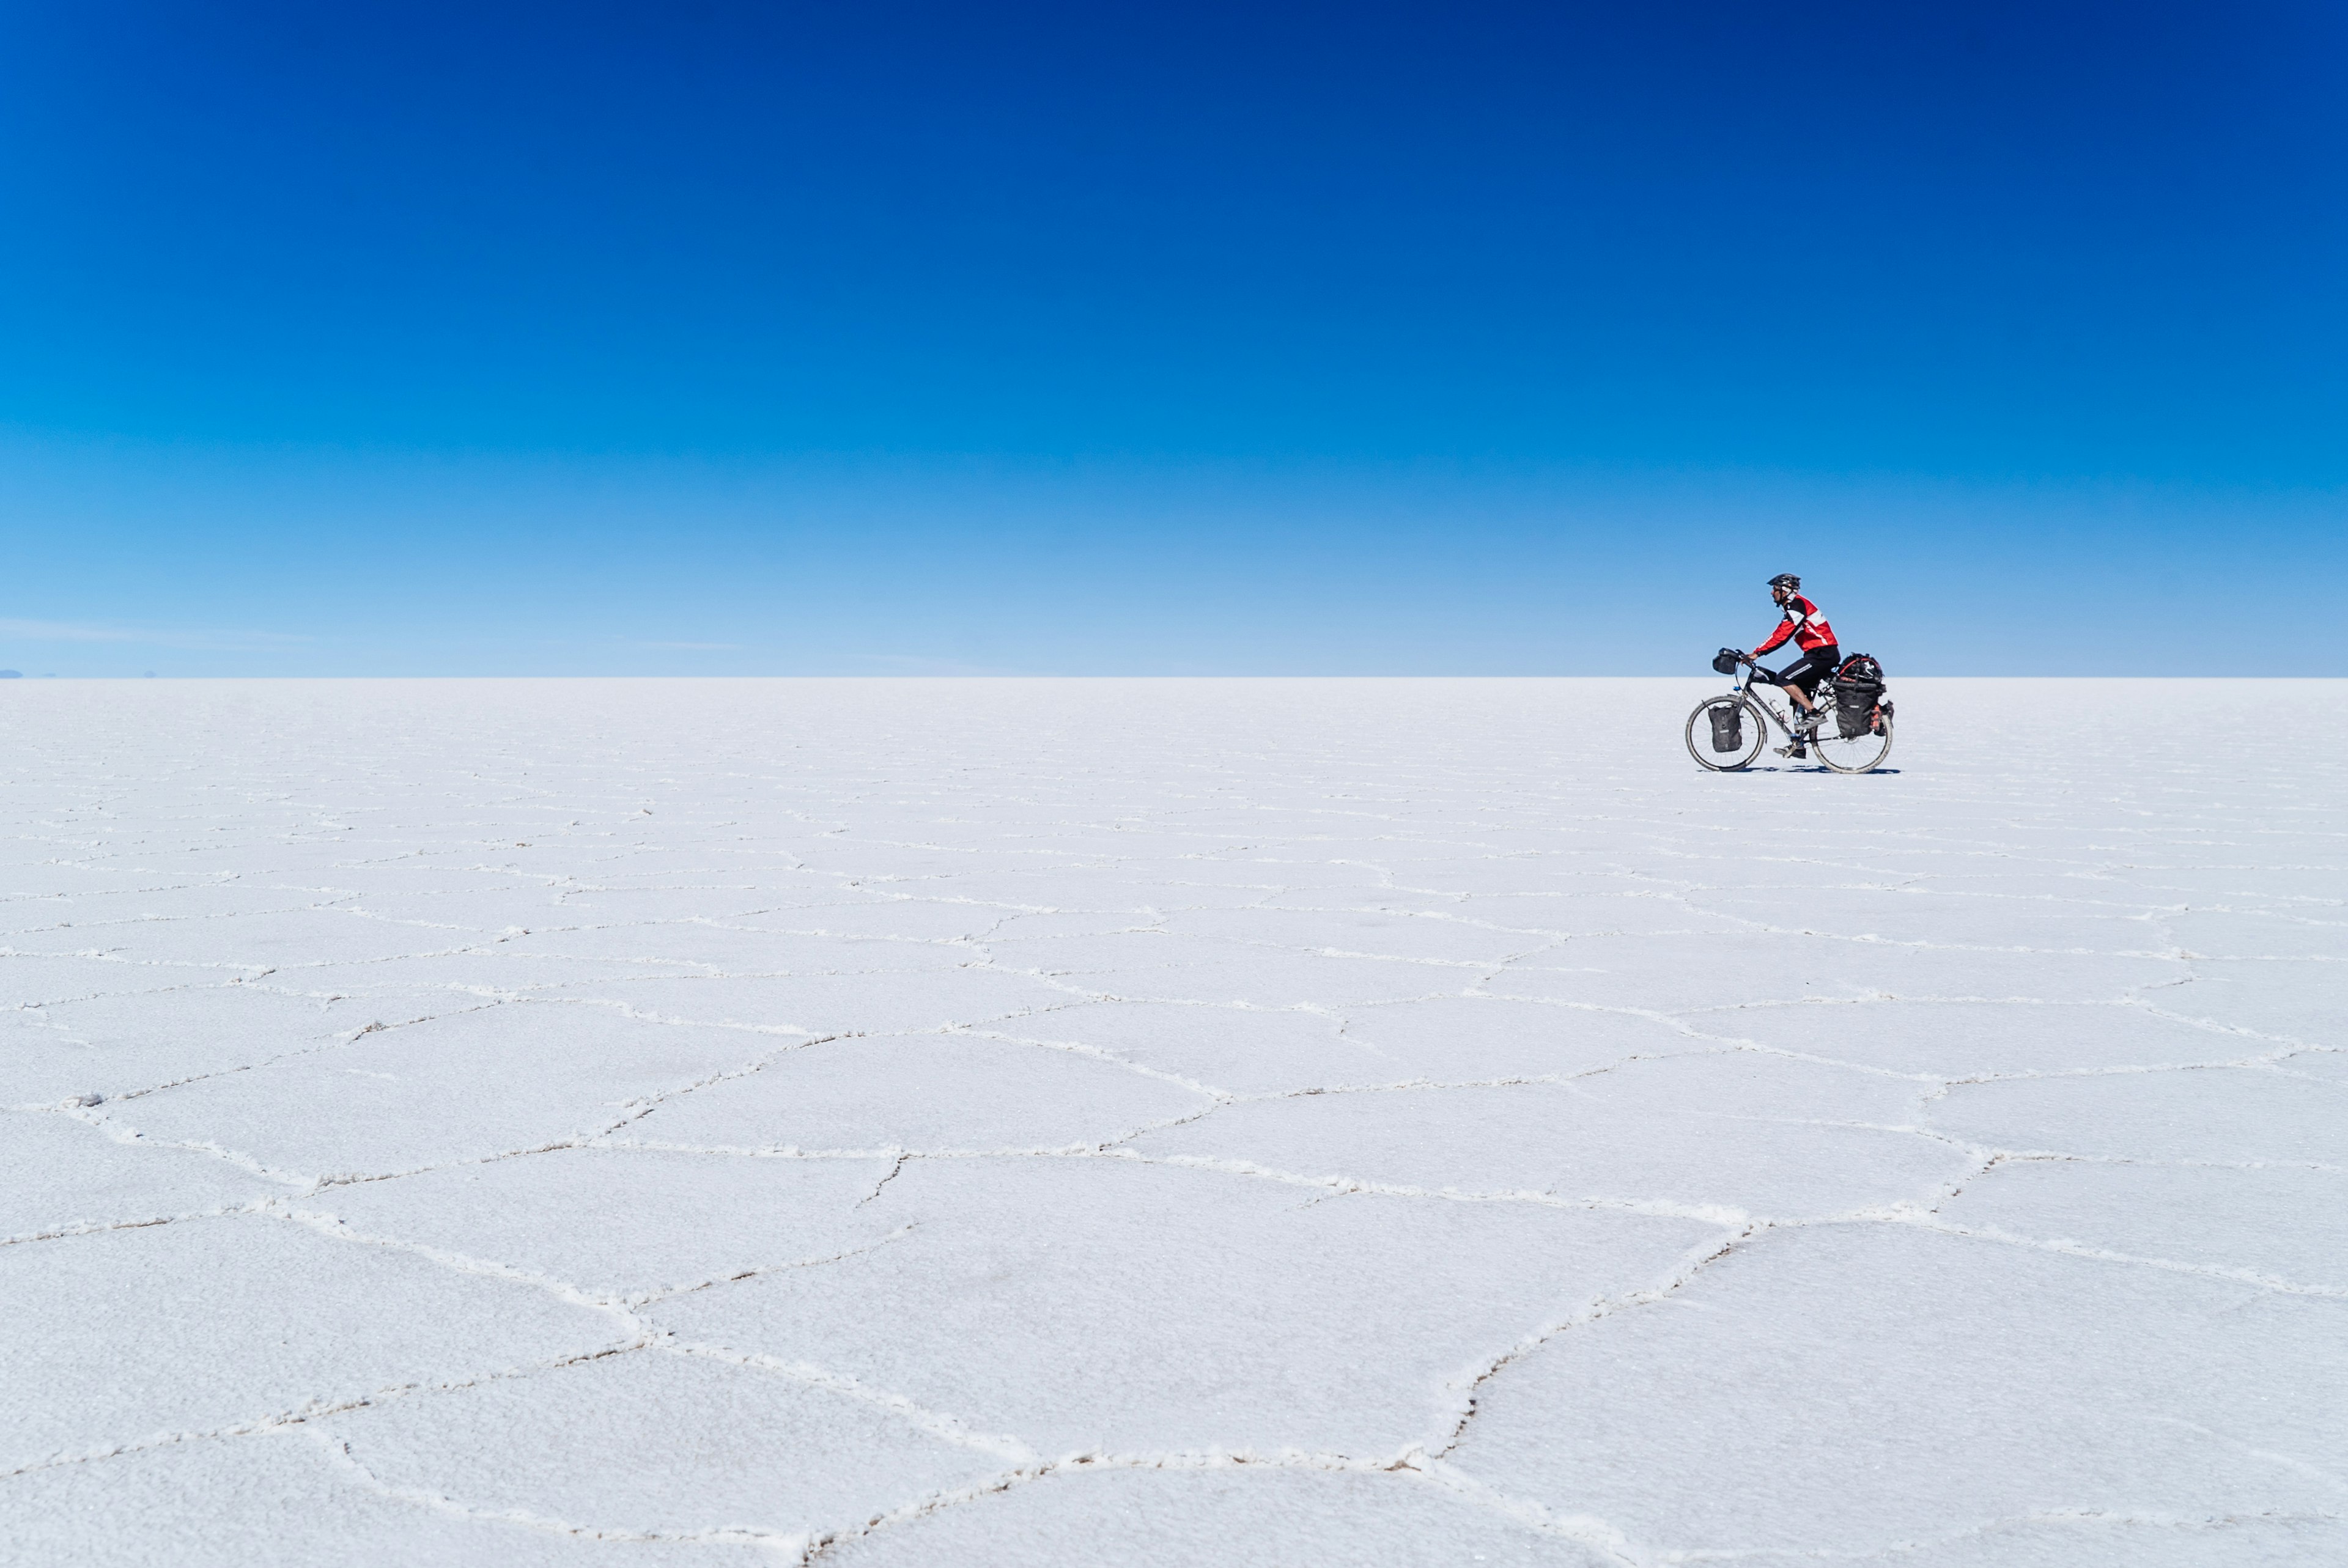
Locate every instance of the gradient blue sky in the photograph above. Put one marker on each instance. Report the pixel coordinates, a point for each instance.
(1133, 339)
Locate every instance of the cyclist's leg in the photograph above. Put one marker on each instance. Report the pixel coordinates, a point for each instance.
(1802, 676)
(1824, 662)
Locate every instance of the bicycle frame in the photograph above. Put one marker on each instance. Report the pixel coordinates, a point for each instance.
(1740, 687)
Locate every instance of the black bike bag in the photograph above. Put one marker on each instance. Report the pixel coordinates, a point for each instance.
(1858, 670)
(1727, 726)
(1857, 687)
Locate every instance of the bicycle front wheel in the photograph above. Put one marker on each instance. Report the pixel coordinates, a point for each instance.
(1859, 753)
(1741, 725)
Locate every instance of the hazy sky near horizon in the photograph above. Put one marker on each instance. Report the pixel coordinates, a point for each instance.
(1058, 339)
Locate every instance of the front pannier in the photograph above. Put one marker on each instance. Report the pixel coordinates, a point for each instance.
(1857, 689)
(1727, 726)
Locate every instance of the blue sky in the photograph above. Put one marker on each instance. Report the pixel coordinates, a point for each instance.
(1459, 339)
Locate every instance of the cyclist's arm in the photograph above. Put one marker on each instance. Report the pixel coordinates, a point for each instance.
(1776, 637)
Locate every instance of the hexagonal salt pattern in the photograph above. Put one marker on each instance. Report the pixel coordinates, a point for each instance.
(1024, 1123)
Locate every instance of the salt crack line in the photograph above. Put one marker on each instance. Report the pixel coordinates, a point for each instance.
(2280, 1070)
(2292, 1463)
(2071, 1248)
(2142, 1519)
(1089, 1149)
(94, 1117)
(895, 1169)
(945, 1428)
(645, 1105)
(1680, 1023)
(1095, 1053)
(1717, 1215)
(338, 1453)
(2166, 956)
(316, 1410)
(670, 1292)
(1407, 1469)
(639, 1333)
(2218, 1027)
(1583, 1529)
(329, 1042)
(95, 1227)
(1517, 1080)
(647, 1015)
(2269, 1062)
(109, 955)
(328, 1181)
(1468, 1384)
(2064, 1155)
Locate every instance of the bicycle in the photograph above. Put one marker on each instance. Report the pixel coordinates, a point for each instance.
(1848, 738)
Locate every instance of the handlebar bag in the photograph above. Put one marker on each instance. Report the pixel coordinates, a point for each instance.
(1725, 661)
(1727, 726)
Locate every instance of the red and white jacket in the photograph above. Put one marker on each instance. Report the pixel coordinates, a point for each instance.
(1805, 624)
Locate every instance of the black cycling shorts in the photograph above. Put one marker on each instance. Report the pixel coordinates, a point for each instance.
(1808, 670)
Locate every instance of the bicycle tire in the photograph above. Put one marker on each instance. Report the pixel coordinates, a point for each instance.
(1860, 761)
(1727, 762)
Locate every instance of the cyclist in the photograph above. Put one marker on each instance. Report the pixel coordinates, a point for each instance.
(1807, 625)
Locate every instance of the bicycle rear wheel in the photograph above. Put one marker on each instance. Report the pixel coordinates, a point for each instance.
(1750, 732)
(1859, 753)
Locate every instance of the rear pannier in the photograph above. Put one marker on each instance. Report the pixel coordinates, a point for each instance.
(1727, 726)
(1858, 696)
